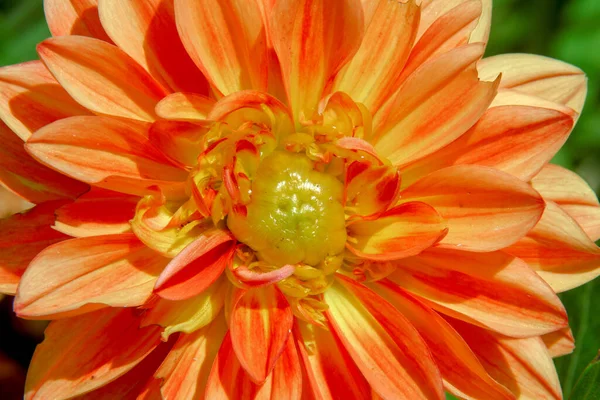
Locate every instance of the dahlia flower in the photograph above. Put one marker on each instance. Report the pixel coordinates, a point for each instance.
(289, 199)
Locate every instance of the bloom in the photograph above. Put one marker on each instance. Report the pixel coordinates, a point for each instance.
(259, 198)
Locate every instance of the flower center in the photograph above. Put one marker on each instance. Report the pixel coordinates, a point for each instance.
(295, 214)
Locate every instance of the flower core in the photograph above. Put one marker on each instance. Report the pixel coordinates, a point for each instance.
(295, 215)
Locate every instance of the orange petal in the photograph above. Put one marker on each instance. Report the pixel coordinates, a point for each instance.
(587, 217)
(184, 106)
(146, 30)
(226, 40)
(563, 187)
(447, 32)
(187, 315)
(101, 346)
(260, 323)
(560, 342)
(181, 141)
(111, 153)
(101, 77)
(330, 370)
(228, 380)
(486, 210)
(382, 342)
(493, 290)
(196, 267)
(67, 17)
(539, 76)
(433, 10)
(402, 231)
(186, 369)
(78, 275)
(31, 180)
(22, 237)
(30, 98)
(369, 189)
(390, 30)
(559, 250)
(481, 33)
(252, 100)
(436, 104)
(522, 365)
(98, 212)
(463, 374)
(313, 40)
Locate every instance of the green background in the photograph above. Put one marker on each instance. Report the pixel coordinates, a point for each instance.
(568, 30)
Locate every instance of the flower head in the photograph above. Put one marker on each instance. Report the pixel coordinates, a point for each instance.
(256, 198)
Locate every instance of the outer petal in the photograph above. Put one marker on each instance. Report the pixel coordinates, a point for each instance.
(83, 353)
(146, 30)
(313, 39)
(101, 77)
(560, 342)
(539, 76)
(196, 267)
(185, 371)
(481, 33)
(226, 40)
(79, 275)
(559, 250)
(227, 378)
(440, 101)
(403, 231)
(184, 106)
(522, 365)
(265, 316)
(98, 212)
(30, 179)
(22, 237)
(330, 370)
(433, 9)
(384, 345)
(30, 98)
(390, 30)
(493, 290)
(463, 374)
(80, 17)
(485, 209)
(181, 141)
(111, 153)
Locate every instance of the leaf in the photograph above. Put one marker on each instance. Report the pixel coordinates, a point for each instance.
(588, 384)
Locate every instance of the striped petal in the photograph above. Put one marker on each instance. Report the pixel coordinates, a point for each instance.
(492, 290)
(384, 345)
(111, 153)
(560, 342)
(522, 365)
(30, 98)
(98, 212)
(390, 30)
(184, 106)
(226, 40)
(402, 231)
(196, 267)
(101, 346)
(227, 378)
(101, 77)
(146, 30)
(185, 371)
(84, 274)
(440, 101)
(485, 209)
(540, 76)
(181, 141)
(260, 324)
(330, 370)
(434, 10)
(31, 180)
(463, 374)
(68, 17)
(313, 40)
(22, 237)
(559, 250)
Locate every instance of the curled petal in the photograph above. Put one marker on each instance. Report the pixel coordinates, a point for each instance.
(486, 210)
(181, 141)
(402, 231)
(103, 345)
(252, 278)
(370, 190)
(260, 324)
(493, 290)
(83, 274)
(68, 17)
(560, 342)
(101, 77)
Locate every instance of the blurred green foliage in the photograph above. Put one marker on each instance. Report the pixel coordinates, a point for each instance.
(564, 29)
